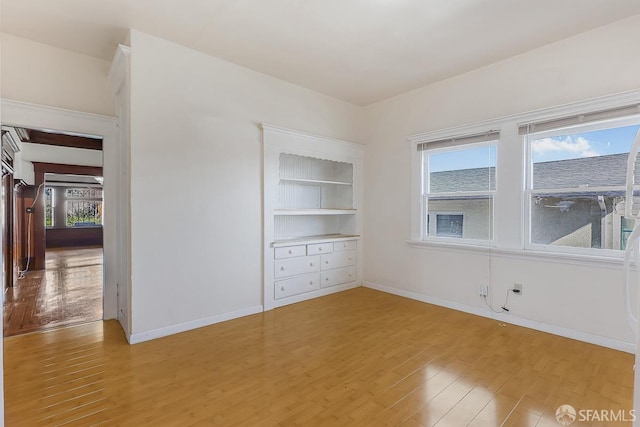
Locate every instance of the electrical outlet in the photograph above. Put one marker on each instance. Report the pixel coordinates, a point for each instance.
(517, 287)
(484, 290)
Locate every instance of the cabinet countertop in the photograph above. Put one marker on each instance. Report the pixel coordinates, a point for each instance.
(314, 239)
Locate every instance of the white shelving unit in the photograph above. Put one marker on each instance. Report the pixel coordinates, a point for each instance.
(316, 181)
(320, 211)
(312, 215)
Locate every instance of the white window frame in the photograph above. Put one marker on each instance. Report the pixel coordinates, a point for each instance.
(424, 209)
(511, 201)
(529, 192)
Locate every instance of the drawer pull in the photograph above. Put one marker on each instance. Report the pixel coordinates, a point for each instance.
(326, 279)
(311, 282)
(310, 264)
(326, 262)
(290, 251)
(349, 258)
(282, 268)
(320, 249)
(344, 245)
(282, 288)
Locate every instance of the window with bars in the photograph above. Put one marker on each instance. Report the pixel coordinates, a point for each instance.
(83, 207)
(83, 193)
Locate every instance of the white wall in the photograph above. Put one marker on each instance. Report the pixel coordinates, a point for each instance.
(196, 180)
(41, 74)
(30, 153)
(196, 170)
(574, 296)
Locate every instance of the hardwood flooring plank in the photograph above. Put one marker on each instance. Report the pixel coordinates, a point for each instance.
(356, 358)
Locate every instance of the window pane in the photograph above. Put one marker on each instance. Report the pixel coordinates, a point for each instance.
(83, 207)
(449, 225)
(83, 193)
(591, 166)
(82, 213)
(583, 159)
(465, 217)
(49, 204)
(465, 170)
(626, 229)
(579, 220)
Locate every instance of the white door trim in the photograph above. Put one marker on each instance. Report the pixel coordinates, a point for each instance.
(43, 117)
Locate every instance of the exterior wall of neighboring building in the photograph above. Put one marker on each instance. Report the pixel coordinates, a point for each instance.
(579, 225)
(561, 219)
(477, 214)
(552, 222)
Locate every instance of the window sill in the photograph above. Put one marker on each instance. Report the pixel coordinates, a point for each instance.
(613, 261)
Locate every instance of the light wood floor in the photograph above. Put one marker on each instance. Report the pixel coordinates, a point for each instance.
(360, 358)
(67, 292)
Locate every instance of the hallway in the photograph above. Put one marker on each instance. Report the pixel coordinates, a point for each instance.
(68, 292)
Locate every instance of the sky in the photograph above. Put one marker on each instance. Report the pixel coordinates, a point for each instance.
(480, 157)
(562, 147)
(586, 144)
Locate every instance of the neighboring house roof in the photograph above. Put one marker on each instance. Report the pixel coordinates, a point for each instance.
(600, 171)
(477, 179)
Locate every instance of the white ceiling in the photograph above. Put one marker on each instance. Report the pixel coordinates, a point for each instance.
(361, 51)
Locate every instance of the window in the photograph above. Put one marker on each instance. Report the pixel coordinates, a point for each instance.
(562, 174)
(458, 189)
(83, 207)
(576, 178)
(449, 225)
(49, 207)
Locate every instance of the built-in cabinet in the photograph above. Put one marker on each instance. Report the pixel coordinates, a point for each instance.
(312, 211)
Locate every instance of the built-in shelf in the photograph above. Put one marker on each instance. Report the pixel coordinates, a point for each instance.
(315, 181)
(314, 211)
(314, 239)
(312, 216)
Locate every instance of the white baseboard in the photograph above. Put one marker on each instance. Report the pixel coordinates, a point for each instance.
(509, 318)
(136, 338)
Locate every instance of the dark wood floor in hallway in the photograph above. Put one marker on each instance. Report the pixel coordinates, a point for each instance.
(68, 292)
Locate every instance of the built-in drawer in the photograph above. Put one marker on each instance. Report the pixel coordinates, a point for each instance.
(290, 251)
(320, 248)
(297, 285)
(349, 245)
(337, 276)
(295, 266)
(338, 259)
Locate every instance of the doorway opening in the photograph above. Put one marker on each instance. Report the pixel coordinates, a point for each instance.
(53, 217)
